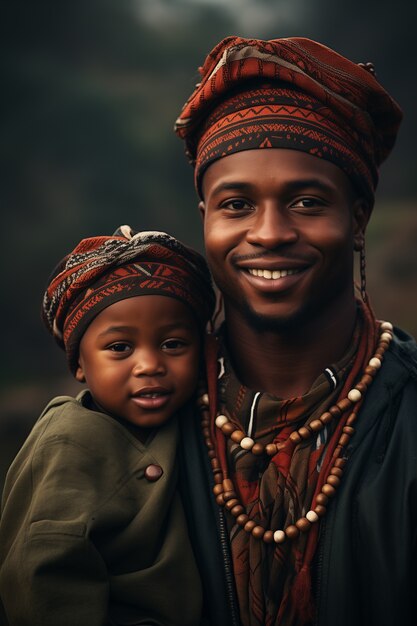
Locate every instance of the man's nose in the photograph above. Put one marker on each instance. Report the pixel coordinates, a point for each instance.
(272, 227)
(148, 363)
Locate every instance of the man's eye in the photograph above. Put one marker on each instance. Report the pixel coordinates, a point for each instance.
(306, 203)
(236, 205)
(119, 347)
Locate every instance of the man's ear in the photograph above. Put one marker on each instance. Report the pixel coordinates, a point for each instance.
(361, 214)
(79, 374)
(202, 209)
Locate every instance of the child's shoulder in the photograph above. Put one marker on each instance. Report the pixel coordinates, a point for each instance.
(67, 419)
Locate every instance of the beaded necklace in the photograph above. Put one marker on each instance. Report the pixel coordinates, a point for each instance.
(224, 489)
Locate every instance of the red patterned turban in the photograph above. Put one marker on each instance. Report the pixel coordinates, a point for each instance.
(289, 93)
(104, 270)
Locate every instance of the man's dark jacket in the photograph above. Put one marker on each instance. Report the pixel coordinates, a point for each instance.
(365, 565)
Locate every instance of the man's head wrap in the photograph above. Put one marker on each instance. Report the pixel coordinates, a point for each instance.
(104, 270)
(289, 93)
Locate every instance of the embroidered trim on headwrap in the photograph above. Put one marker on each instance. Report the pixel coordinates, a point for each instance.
(103, 270)
(289, 93)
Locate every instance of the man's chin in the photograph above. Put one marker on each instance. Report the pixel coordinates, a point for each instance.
(271, 323)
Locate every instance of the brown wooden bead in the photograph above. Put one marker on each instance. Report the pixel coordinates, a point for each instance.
(258, 532)
(344, 440)
(361, 387)
(316, 425)
(218, 472)
(249, 526)
(229, 495)
(258, 449)
(333, 480)
(341, 462)
(242, 519)
(351, 419)
(337, 451)
(326, 418)
(229, 504)
(295, 437)
(348, 430)
(237, 510)
(303, 524)
(320, 510)
(328, 490)
(215, 463)
(335, 411)
(220, 500)
(292, 531)
(271, 449)
(228, 428)
(322, 499)
(367, 380)
(218, 478)
(228, 485)
(344, 404)
(336, 471)
(205, 422)
(237, 436)
(304, 432)
(211, 454)
(206, 433)
(371, 371)
(217, 489)
(268, 536)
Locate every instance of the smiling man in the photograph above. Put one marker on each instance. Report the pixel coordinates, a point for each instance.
(301, 479)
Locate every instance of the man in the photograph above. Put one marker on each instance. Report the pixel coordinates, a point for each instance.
(308, 435)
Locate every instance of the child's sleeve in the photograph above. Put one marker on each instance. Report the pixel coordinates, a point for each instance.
(52, 572)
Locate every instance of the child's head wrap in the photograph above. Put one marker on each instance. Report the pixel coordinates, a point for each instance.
(103, 270)
(289, 93)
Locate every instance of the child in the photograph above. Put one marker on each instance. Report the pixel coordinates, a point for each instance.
(92, 530)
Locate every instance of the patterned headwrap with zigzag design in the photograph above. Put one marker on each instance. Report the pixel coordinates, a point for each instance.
(103, 270)
(289, 93)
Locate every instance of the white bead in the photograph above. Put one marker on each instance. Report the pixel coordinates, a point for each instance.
(386, 337)
(221, 420)
(279, 536)
(204, 399)
(354, 395)
(247, 443)
(387, 326)
(375, 362)
(312, 516)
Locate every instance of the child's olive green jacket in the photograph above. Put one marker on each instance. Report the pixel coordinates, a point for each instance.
(90, 533)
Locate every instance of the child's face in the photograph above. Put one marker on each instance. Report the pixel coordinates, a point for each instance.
(140, 358)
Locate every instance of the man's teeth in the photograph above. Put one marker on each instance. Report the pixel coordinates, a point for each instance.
(272, 274)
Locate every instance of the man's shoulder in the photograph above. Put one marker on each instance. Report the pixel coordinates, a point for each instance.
(403, 354)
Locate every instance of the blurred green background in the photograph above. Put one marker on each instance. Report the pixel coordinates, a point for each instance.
(90, 92)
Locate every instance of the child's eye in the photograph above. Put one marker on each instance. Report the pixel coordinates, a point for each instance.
(119, 347)
(174, 344)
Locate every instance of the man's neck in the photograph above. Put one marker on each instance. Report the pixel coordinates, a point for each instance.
(286, 362)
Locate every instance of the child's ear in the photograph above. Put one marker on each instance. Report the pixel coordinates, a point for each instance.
(79, 374)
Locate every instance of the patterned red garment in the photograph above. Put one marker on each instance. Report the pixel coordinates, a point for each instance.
(103, 270)
(330, 106)
(273, 581)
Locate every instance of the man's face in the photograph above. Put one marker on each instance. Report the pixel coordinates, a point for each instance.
(279, 228)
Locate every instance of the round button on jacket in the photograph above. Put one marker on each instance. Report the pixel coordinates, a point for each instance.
(153, 473)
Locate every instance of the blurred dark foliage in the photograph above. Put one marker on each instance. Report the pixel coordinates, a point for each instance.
(90, 92)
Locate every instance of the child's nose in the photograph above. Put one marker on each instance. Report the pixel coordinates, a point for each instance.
(148, 363)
